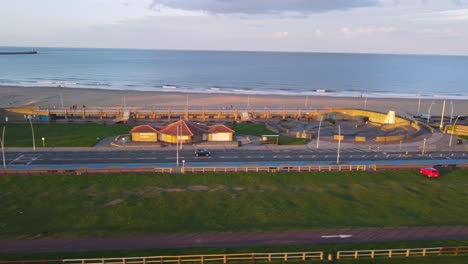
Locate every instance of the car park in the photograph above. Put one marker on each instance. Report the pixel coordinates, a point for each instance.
(202, 152)
(430, 172)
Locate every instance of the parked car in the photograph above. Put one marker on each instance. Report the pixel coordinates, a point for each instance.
(202, 152)
(430, 172)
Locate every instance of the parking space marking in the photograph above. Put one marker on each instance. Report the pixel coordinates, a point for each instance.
(25, 159)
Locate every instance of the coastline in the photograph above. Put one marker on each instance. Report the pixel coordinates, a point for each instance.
(15, 96)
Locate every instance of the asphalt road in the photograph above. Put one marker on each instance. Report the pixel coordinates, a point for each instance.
(234, 239)
(219, 156)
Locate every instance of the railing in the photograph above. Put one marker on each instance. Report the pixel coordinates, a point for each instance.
(263, 257)
(407, 252)
(277, 169)
(221, 258)
(42, 261)
(82, 171)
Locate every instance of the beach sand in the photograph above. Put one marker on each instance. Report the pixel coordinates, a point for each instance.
(11, 96)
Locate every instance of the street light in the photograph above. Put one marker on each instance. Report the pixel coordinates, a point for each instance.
(419, 104)
(43, 142)
(339, 145)
(123, 141)
(32, 131)
(429, 112)
(454, 128)
(451, 112)
(424, 147)
(318, 134)
(3, 147)
(177, 146)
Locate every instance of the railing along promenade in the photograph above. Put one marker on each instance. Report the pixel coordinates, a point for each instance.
(169, 113)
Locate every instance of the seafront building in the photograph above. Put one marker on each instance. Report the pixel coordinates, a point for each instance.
(182, 131)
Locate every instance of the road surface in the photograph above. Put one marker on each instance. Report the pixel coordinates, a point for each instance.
(234, 239)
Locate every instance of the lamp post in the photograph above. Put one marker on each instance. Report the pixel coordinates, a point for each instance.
(177, 146)
(43, 142)
(419, 104)
(32, 131)
(339, 145)
(123, 141)
(442, 116)
(451, 112)
(424, 147)
(3, 143)
(454, 128)
(318, 134)
(429, 112)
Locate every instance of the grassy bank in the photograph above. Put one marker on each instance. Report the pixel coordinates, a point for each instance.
(61, 135)
(148, 204)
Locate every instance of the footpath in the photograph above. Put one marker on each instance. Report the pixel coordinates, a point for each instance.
(233, 239)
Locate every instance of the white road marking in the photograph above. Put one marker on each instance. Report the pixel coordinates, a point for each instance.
(335, 236)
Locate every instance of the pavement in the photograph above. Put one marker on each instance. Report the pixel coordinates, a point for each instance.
(233, 239)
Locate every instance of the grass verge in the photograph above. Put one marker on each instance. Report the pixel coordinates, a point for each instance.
(148, 204)
(61, 135)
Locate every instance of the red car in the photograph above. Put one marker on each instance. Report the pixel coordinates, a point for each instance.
(430, 172)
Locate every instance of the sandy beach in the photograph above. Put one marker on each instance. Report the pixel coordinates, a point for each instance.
(11, 96)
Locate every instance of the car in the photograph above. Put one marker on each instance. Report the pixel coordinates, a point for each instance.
(202, 152)
(430, 172)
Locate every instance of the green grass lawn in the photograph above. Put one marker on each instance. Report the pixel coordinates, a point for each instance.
(148, 204)
(61, 135)
(260, 129)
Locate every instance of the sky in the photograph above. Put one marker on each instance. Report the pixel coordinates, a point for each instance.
(354, 26)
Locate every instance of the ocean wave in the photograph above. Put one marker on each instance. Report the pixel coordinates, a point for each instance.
(229, 90)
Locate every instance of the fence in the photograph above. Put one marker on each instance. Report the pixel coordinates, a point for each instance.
(43, 261)
(278, 169)
(82, 171)
(263, 257)
(186, 169)
(407, 252)
(221, 258)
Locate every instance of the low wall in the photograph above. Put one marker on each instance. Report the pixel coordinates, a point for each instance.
(375, 117)
(359, 139)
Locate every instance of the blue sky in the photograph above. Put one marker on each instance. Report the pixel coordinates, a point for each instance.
(364, 26)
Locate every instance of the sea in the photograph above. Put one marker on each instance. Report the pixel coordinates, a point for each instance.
(240, 72)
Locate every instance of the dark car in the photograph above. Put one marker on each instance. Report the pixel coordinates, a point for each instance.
(202, 152)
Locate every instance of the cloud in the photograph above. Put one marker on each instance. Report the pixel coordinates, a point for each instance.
(252, 7)
(365, 31)
(280, 35)
(450, 15)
